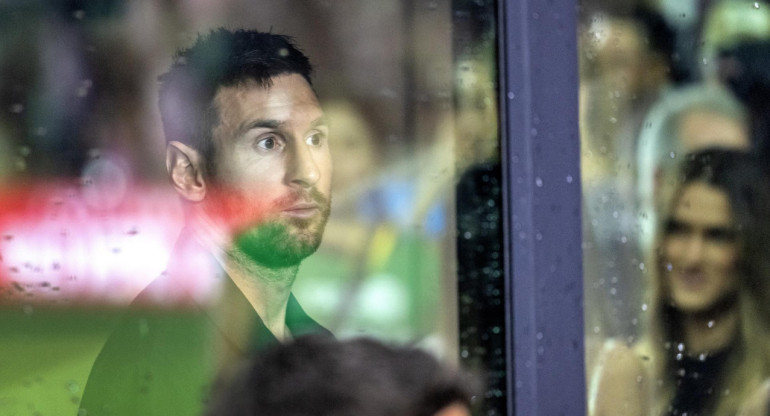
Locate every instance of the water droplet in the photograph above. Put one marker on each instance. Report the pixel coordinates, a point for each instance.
(641, 266)
(710, 324)
(669, 266)
(679, 356)
(84, 87)
(539, 182)
(539, 335)
(79, 14)
(756, 4)
(511, 95)
(680, 347)
(17, 108)
(702, 356)
(569, 179)
(672, 155)
(644, 306)
(73, 387)
(467, 235)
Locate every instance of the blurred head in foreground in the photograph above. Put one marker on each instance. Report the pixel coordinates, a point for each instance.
(322, 376)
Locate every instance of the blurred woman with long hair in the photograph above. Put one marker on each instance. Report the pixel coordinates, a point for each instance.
(706, 346)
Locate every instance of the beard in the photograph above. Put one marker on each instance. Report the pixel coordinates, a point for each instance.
(285, 242)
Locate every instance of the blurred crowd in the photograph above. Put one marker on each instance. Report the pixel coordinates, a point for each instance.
(674, 156)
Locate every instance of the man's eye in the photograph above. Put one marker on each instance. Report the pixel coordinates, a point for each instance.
(314, 139)
(268, 143)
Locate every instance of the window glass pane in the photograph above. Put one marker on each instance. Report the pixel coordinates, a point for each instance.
(673, 147)
(90, 215)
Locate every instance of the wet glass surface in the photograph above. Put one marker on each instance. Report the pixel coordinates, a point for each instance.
(88, 218)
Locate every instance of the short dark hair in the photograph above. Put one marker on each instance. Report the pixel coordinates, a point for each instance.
(321, 376)
(220, 58)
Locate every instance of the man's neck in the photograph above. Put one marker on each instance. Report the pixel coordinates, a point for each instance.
(267, 289)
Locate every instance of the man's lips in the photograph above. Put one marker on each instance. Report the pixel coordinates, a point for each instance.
(301, 210)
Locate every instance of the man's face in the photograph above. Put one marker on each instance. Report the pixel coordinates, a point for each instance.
(272, 180)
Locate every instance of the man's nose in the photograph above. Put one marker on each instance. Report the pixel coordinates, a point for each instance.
(302, 169)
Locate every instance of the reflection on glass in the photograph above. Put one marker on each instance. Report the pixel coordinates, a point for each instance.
(657, 84)
(88, 218)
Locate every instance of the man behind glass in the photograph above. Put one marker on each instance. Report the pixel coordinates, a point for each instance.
(247, 151)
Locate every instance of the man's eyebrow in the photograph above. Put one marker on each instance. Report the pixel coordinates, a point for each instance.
(261, 124)
(320, 121)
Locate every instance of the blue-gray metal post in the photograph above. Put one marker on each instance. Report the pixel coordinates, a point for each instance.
(541, 159)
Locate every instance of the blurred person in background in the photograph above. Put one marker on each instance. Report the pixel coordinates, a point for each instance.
(626, 66)
(248, 153)
(705, 349)
(726, 24)
(683, 121)
(359, 377)
(743, 68)
(364, 277)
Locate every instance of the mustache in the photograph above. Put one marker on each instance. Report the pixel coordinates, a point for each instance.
(302, 196)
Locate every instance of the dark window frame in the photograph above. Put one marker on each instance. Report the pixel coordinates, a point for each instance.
(542, 206)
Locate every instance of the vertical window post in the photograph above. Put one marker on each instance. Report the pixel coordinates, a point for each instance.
(539, 110)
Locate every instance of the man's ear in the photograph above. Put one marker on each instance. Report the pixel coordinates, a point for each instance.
(185, 169)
